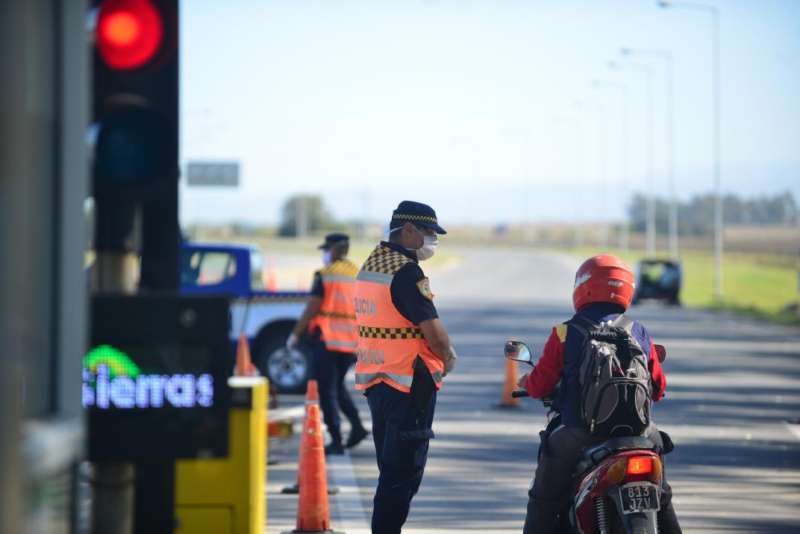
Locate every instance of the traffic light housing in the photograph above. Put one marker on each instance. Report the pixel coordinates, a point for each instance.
(135, 110)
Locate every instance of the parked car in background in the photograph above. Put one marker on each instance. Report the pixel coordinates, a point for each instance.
(658, 279)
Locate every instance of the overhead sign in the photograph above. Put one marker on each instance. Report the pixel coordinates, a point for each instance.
(154, 378)
(212, 173)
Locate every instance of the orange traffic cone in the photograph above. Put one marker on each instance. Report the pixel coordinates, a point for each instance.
(507, 401)
(312, 399)
(244, 364)
(312, 392)
(272, 279)
(313, 514)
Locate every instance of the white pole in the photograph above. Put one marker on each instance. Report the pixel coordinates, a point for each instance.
(651, 204)
(716, 96)
(673, 201)
(718, 213)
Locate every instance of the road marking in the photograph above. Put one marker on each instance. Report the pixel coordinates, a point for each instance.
(794, 429)
(350, 511)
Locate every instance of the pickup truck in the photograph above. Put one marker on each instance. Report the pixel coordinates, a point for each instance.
(265, 317)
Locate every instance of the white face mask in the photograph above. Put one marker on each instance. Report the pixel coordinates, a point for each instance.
(428, 248)
(326, 257)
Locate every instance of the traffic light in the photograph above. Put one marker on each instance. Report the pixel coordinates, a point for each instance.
(135, 111)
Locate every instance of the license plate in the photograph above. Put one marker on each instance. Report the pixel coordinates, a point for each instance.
(637, 498)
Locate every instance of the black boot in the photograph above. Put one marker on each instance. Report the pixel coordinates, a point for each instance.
(357, 435)
(334, 448)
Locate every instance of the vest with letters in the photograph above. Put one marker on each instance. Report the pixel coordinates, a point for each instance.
(388, 344)
(336, 318)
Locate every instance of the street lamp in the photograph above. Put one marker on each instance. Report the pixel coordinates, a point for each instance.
(650, 224)
(623, 98)
(716, 96)
(666, 56)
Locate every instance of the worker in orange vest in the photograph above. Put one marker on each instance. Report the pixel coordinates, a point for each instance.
(403, 354)
(330, 323)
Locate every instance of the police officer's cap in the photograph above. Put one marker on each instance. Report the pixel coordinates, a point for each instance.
(334, 239)
(416, 213)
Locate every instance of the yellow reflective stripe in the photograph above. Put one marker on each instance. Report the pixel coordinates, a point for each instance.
(377, 278)
(342, 344)
(337, 315)
(366, 378)
(561, 332)
(338, 278)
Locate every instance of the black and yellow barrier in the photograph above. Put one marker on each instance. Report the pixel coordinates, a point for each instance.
(227, 495)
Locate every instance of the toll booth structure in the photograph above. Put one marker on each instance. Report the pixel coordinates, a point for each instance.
(228, 495)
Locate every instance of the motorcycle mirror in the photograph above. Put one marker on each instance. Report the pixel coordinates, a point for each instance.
(661, 351)
(518, 351)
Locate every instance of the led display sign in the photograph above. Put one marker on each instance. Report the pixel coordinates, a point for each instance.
(154, 379)
(112, 380)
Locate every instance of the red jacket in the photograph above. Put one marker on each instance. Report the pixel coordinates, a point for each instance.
(547, 373)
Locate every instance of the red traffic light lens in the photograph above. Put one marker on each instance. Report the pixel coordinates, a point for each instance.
(129, 33)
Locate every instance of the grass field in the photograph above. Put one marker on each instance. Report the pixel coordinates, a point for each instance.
(754, 284)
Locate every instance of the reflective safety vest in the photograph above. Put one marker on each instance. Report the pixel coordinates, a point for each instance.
(388, 343)
(336, 318)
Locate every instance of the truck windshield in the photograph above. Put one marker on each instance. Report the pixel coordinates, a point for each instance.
(207, 268)
(256, 271)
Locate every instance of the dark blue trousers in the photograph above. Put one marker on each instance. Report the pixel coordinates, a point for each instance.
(330, 369)
(401, 429)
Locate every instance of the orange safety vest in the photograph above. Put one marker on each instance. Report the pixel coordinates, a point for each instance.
(388, 343)
(336, 318)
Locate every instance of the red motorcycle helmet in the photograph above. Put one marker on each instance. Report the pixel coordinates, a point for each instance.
(603, 278)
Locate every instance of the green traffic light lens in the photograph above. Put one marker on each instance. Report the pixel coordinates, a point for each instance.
(134, 148)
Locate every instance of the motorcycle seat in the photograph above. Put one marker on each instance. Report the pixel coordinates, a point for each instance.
(594, 455)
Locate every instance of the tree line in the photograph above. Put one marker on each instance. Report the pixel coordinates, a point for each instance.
(696, 216)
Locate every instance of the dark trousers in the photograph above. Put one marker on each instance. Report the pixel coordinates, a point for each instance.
(401, 429)
(553, 482)
(330, 369)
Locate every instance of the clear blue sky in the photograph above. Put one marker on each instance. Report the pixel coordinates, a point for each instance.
(470, 105)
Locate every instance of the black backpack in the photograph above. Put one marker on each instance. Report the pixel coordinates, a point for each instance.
(614, 379)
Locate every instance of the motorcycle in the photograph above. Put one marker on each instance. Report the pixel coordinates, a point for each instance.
(617, 483)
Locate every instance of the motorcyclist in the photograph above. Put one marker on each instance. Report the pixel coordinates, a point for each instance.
(604, 287)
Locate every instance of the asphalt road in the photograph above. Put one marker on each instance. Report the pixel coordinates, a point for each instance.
(733, 384)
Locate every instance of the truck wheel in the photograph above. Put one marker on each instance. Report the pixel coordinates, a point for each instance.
(286, 369)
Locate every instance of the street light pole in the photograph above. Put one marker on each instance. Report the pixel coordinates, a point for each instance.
(623, 96)
(650, 242)
(666, 56)
(717, 98)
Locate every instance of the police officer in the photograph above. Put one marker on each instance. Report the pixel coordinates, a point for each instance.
(403, 353)
(329, 320)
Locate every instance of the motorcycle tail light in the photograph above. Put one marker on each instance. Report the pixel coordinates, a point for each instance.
(616, 473)
(640, 465)
(655, 474)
